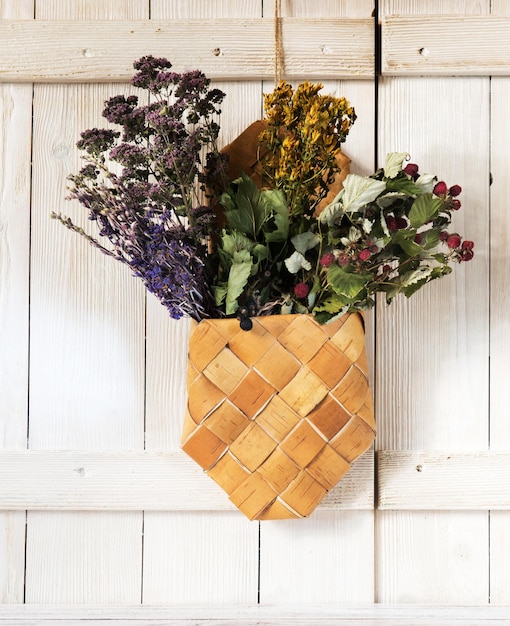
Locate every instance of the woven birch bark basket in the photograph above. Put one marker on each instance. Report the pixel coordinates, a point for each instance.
(276, 415)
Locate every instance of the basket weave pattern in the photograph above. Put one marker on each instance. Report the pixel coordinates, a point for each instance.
(277, 414)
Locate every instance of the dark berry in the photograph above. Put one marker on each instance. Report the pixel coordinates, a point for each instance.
(245, 323)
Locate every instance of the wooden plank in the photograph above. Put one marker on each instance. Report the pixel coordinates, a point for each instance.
(15, 157)
(499, 321)
(443, 480)
(87, 349)
(202, 556)
(436, 557)
(253, 615)
(12, 556)
(326, 559)
(226, 48)
(80, 557)
(432, 350)
(135, 481)
(15, 148)
(499, 556)
(449, 45)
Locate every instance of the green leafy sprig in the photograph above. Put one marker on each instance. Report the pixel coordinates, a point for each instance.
(382, 233)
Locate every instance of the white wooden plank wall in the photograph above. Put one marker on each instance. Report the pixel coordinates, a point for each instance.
(92, 370)
(15, 113)
(432, 351)
(499, 433)
(86, 322)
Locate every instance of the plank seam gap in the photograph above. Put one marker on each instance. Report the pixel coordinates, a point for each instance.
(142, 559)
(29, 277)
(258, 563)
(25, 560)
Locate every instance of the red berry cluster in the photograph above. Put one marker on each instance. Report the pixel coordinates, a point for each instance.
(301, 290)
(464, 249)
(449, 194)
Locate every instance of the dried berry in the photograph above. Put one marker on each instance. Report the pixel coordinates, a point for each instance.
(440, 188)
(453, 241)
(411, 169)
(245, 323)
(301, 290)
(327, 259)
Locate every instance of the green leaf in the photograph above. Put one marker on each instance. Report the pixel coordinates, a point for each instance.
(440, 257)
(404, 185)
(405, 239)
(333, 304)
(430, 239)
(237, 280)
(305, 241)
(360, 191)
(310, 300)
(352, 236)
(245, 209)
(346, 283)
(279, 213)
(366, 225)
(426, 182)
(332, 211)
(391, 291)
(411, 289)
(393, 163)
(424, 209)
(316, 285)
(384, 225)
(219, 293)
(416, 276)
(260, 252)
(296, 262)
(242, 256)
(387, 200)
(438, 272)
(411, 248)
(234, 241)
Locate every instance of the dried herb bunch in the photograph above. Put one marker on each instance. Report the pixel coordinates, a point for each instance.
(152, 212)
(305, 129)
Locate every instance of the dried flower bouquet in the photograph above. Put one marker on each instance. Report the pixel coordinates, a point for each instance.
(262, 236)
(148, 187)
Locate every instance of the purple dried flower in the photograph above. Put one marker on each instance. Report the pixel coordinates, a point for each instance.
(150, 212)
(97, 140)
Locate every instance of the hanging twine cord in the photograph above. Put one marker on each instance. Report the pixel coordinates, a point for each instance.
(279, 61)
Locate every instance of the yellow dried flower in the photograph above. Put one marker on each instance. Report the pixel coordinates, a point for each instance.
(304, 131)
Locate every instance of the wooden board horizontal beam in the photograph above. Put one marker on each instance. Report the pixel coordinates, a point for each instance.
(66, 480)
(443, 480)
(305, 615)
(224, 49)
(136, 481)
(445, 45)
